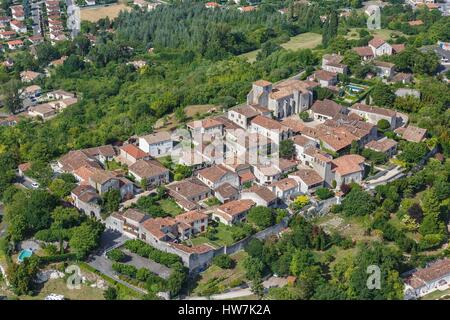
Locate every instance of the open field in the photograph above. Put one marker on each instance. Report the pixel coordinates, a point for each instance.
(170, 207)
(59, 286)
(308, 40)
(94, 14)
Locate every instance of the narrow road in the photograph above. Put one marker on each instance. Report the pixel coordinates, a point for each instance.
(224, 296)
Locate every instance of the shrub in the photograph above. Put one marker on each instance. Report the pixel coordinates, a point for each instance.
(116, 255)
(224, 261)
(324, 193)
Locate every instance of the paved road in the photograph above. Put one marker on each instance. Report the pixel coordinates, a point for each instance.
(390, 175)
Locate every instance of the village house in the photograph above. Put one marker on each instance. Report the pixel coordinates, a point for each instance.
(86, 199)
(402, 77)
(18, 26)
(150, 171)
(378, 47)
(383, 69)
(260, 195)
(301, 143)
(309, 180)
(91, 157)
(349, 127)
(325, 109)
(374, 114)
(7, 35)
(247, 9)
(385, 145)
(333, 63)
(284, 98)
(242, 115)
(129, 154)
(45, 111)
(233, 212)
(205, 130)
(266, 173)
(59, 95)
(412, 133)
(29, 76)
(31, 92)
(36, 39)
(17, 12)
(157, 144)
(270, 129)
(127, 222)
(4, 22)
(285, 188)
(187, 193)
(14, 44)
(195, 222)
(217, 175)
(422, 281)
(348, 169)
(23, 168)
(226, 192)
(156, 230)
(324, 78)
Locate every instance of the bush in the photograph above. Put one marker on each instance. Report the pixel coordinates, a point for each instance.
(324, 193)
(110, 294)
(116, 255)
(224, 261)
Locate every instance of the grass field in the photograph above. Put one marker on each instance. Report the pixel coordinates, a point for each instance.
(384, 34)
(59, 286)
(307, 40)
(94, 14)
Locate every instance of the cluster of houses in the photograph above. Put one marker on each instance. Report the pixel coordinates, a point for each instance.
(14, 31)
(147, 5)
(234, 157)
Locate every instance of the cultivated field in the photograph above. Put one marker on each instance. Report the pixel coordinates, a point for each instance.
(94, 14)
(384, 34)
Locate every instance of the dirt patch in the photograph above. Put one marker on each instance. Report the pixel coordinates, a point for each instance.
(111, 11)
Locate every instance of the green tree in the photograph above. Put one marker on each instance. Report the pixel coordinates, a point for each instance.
(261, 216)
(111, 201)
(287, 149)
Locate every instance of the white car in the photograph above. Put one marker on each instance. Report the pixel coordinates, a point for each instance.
(35, 185)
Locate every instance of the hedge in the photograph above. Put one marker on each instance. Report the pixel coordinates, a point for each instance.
(145, 250)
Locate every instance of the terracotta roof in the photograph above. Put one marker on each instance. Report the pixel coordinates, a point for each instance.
(262, 192)
(188, 187)
(412, 133)
(226, 190)
(134, 151)
(205, 123)
(308, 176)
(294, 125)
(262, 83)
(198, 249)
(85, 193)
(246, 176)
(372, 109)
(76, 159)
(147, 168)
(348, 164)
(15, 42)
(415, 22)
(398, 47)
(333, 58)
(302, 140)
(382, 145)
(327, 107)
(287, 87)
(377, 42)
(135, 215)
(268, 123)
(101, 176)
(25, 166)
(284, 184)
(157, 137)
(154, 226)
(84, 172)
(363, 51)
(250, 111)
(236, 207)
(324, 75)
(401, 76)
(191, 216)
(106, 151)
(434, 271)
(214, 173)
(247, 8)
(383, 64)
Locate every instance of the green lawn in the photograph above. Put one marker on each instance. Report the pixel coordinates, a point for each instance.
(170, 207)
(436, 295)
(308, 40)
